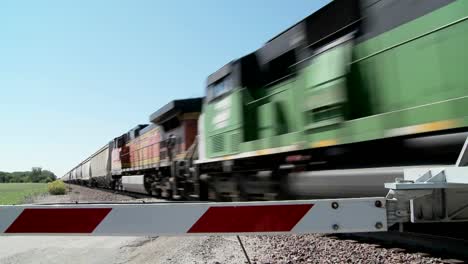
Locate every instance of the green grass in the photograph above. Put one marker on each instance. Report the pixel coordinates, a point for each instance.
(16, 193)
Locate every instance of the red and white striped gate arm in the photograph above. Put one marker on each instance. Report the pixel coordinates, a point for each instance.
(320, 216)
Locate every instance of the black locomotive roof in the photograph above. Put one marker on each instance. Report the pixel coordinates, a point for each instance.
(176, 107)
(221, 73)
(139, 127)
(338, 15)
(286, 41)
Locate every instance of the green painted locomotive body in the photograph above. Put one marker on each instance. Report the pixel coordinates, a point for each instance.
(334, 106)
(354, 71)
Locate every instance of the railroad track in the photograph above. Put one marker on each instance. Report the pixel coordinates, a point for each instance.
(452, 250)
(130, 194)
(136, 195)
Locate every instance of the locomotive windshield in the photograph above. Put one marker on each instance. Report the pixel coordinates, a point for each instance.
(219, 88)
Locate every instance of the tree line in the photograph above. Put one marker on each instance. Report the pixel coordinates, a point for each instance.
(35, 175)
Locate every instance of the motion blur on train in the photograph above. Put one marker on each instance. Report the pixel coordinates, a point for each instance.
(334, 106)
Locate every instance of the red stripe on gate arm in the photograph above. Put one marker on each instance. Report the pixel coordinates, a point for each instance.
(64, 220)
(258, 218)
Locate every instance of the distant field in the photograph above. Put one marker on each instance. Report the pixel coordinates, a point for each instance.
(15, 193)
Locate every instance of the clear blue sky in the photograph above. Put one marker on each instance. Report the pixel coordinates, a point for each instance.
(75, 74)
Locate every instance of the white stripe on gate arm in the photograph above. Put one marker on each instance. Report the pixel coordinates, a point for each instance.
(8, 214)
(144, 219)
(351, 216)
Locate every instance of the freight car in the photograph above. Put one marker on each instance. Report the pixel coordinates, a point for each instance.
(354, 87)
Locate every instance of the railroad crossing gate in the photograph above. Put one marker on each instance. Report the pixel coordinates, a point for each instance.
(153, 219)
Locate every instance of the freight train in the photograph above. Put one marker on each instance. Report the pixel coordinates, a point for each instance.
(333, 106)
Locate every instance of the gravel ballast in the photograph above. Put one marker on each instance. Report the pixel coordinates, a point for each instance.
(326, 249)
(81, 194)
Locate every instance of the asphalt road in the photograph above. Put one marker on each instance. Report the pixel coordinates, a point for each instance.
(97, 250)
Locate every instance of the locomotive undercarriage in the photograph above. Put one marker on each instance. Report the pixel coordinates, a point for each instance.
(269, 177)
(158, 182)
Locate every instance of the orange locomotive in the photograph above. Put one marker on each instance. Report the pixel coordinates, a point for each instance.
(146, 158)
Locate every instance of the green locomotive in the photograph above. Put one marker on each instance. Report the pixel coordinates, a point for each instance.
(334, 106)
(343, 88)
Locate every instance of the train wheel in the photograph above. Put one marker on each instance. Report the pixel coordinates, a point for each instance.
(203, 195)
(118, 185)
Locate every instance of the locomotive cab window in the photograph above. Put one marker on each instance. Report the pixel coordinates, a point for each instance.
(171, 124)
(220, 88)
